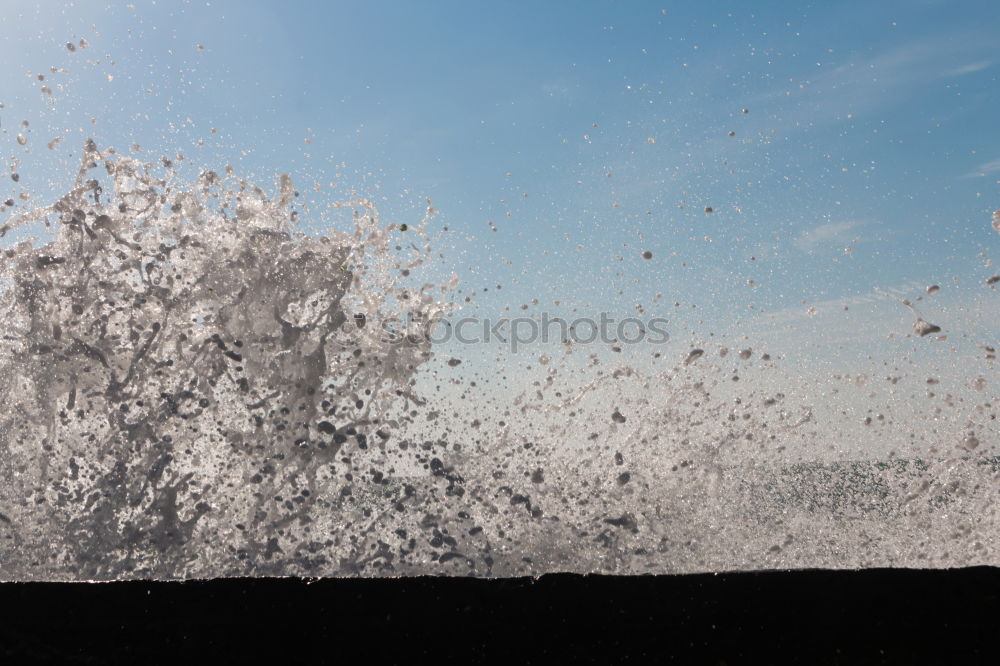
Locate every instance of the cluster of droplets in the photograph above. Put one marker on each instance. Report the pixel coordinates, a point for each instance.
(179, 360)
(198, 388)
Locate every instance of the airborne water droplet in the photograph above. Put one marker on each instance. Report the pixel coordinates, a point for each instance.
(922, 328)
(693, 356)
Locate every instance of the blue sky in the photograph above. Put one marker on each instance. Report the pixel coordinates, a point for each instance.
(587, 132)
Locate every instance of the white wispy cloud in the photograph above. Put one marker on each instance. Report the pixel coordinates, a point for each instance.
(867, 83)
(985, 169)
(836, 306)
(825, 234)
(970, 68)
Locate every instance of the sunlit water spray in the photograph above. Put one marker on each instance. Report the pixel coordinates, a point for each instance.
(195, 387)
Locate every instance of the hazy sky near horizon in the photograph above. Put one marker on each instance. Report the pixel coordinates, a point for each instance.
(845, 149)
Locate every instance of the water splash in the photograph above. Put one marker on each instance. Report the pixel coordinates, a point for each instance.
(178, 357)
(195, 388)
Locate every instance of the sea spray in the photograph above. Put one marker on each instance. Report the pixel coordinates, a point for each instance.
(197, 388)
(183, 382)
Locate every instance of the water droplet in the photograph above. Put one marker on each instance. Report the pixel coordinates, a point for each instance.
(693, 356)
(922, 328)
